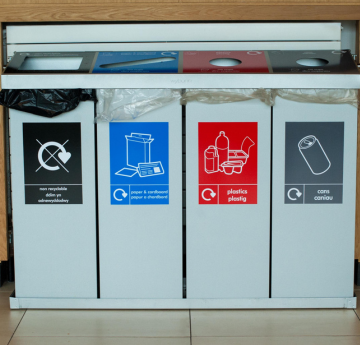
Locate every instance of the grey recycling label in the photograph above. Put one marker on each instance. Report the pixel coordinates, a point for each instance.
(314, 155)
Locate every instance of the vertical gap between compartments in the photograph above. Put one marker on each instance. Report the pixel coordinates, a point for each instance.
(271, 181)
(183, 111)
(97, 207)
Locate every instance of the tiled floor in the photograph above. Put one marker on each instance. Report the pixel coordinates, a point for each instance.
(197, 327)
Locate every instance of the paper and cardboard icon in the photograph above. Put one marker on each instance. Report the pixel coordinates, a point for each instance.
(138, 149)
(138, 157)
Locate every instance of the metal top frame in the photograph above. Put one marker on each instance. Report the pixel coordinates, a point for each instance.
(178, 81)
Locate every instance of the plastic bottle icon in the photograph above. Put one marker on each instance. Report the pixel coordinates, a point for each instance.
(211, 160)
(314, 155)
(222, 145)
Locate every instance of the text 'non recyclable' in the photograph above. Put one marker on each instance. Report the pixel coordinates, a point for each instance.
(227, 162)
(139, 163)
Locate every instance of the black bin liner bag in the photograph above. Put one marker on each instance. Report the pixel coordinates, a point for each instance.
(47, 103)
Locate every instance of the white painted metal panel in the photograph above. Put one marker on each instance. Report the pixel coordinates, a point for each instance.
(313, 244)
(348, 36)
(227, 246)
(228, 46)
(141, 245)
(173, 32)
(174, 81)
(55, 245)
(257, 303)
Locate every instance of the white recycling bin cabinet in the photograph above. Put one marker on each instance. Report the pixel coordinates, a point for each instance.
(269, 192)
(54, 206)
(313, 199)
(140, 205)
(228, 200)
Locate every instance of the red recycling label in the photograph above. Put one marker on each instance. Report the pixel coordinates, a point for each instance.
(227, 162)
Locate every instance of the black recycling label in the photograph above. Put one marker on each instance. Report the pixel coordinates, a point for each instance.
(52, 163)
(314, 155)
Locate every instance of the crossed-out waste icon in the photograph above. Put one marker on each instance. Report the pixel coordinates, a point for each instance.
(63, 156)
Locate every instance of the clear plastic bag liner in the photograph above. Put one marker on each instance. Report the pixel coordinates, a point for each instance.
(217, 96)
(323, 96)
(128, 104)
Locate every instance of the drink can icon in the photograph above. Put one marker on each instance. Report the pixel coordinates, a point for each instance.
(314, 155)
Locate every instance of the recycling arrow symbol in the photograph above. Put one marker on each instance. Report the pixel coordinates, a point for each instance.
(297, 193)
(124, 194)
(212, 194)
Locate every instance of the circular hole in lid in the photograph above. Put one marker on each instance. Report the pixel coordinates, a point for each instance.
(312, 62)
(225, 62)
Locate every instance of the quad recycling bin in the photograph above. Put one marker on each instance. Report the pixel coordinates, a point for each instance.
(140, 205)
(54, 213)
(267, 188)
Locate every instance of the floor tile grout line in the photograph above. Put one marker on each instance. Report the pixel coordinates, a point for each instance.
(17, 327)
(279, 336)
(190, 326)
(101, 336)
(356, 314)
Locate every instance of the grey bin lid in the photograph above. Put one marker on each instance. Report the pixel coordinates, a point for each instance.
(315, 61)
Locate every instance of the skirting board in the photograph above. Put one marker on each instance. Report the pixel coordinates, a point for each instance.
(357, 272)
(261, 303)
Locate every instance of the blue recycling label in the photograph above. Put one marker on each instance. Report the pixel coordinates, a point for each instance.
(139, 163)
(137, 62)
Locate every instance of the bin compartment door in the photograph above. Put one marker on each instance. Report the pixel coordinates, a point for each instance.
(53, 198)
(228, 200)
(140, 205)
(313, 199)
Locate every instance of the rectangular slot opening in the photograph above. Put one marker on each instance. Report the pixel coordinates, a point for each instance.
(51, 63)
